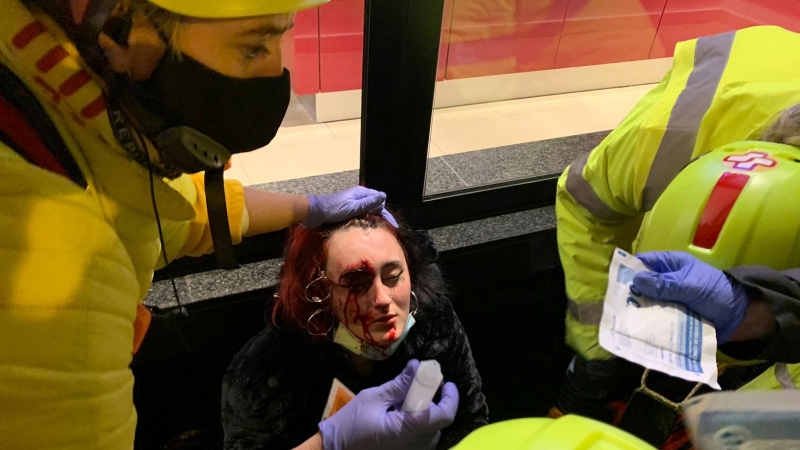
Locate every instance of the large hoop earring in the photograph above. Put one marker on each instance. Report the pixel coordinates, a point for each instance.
(318, 290)
(315, 330)
(417, 307)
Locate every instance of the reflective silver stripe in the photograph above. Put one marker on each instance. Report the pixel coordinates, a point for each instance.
(784, 377)
(675, 151)
(586, 313)
(584, 194)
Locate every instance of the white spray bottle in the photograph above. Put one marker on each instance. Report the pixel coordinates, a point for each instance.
(423, 388)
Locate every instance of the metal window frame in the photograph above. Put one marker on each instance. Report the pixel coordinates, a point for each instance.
(401, 50)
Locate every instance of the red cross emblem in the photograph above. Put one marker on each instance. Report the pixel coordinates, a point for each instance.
(750, 161)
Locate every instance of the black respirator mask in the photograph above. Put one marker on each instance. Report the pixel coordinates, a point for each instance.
(197, 117)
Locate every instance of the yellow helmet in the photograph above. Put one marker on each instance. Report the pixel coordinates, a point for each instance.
(229, 9)
(565, 433)
(734, 206)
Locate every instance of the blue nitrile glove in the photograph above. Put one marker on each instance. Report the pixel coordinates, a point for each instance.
(346, 204)
(366, 423)
(681, 278)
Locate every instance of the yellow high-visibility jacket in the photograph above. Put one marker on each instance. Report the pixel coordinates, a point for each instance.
(76, 263)
(721, 89)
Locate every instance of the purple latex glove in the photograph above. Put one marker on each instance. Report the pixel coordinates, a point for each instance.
(366, 423)
(346, 204)
(681, 278)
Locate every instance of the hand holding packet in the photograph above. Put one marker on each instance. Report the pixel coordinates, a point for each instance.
(666, 337)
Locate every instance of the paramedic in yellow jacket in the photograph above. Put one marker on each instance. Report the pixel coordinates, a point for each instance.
(721, 89)
(77, 258)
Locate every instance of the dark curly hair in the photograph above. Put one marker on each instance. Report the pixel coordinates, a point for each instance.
(306, 253)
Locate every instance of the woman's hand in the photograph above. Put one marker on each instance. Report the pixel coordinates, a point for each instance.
(346, 204)
(366, 423)
(682, 278)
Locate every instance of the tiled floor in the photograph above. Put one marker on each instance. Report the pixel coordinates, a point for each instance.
(303, 148)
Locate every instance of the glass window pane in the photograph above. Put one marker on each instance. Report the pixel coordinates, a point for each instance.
(529, 85)
(523, 86)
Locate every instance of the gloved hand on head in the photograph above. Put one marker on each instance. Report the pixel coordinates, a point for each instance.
(681, 278)
(346, 204)
(366, 423)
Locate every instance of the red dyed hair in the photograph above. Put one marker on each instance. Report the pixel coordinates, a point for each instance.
(304, 259)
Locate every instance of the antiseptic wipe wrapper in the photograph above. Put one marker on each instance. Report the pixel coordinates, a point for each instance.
(666, 337)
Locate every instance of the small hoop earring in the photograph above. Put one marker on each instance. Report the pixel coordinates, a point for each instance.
(316, 287)
(417, 307)
(317, 331)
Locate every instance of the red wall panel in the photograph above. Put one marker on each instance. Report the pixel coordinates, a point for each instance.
(690, 19)
(785, 13)
(492, 37)
(444, 41)
(608, 31)
(301, 52)
(341, 30)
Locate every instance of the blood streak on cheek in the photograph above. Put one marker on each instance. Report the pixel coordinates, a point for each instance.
(354, 275)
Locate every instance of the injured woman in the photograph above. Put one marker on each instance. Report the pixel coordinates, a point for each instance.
(356, 302)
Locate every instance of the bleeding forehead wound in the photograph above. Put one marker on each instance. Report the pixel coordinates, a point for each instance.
(364, 267)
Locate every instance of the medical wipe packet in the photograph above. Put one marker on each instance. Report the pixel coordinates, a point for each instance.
(666, 337)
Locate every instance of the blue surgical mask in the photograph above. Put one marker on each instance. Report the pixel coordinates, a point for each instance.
(348, 340)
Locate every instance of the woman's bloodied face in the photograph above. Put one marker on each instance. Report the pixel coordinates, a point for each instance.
(371, 285)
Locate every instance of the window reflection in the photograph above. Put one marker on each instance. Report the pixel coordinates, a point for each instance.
(511, 73)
